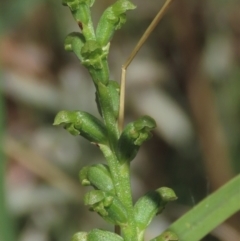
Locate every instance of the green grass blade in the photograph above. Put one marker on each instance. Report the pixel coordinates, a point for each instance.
(6, 228)
(209, 213)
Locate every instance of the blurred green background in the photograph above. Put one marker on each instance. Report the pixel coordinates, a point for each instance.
(187, 77)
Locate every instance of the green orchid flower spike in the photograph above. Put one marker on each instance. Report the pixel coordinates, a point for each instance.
(111, 196)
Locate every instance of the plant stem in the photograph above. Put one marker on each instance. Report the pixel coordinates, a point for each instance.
(108, 115)
(121, 179)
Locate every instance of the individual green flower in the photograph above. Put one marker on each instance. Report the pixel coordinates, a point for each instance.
(108, 206)
(74, 43)
(84, 124)
(112, 19)
(151, 204)
(98, 176)
(132, 137)
(75, 4)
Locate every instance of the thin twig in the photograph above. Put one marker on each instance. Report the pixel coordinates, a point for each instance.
(140, 43)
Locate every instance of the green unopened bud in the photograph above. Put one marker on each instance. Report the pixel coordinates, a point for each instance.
(96, 235)
(98, 176)
(74, 43)
(83, 176)
(117, 213)
(96, 200)
(132, 137)
(102, 235)
(166, 194)
(75, 4)
(112, 19)
(81, 236)
(107, 206)
(94, 197)
(151, 204)
(72, 4)
(84, 124)
(166, 236)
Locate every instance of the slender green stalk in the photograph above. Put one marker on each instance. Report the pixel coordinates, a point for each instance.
(208, 214)
(112, 201)
(121, 178)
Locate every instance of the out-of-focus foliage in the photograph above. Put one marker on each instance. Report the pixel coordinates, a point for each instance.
(39, 78)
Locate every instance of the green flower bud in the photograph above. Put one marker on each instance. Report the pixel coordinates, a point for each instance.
(72, 4)
(84, 124)
(151, 204)
(117, 213)
(102, 235)
(83, 176)
(97, 200)
(112, 19)
(74, 43)
(81, 236)
(166, 236)
(75, 4)
(166, 194)
(96, 235)
(107, 206)
(98, 176)
(94, 197)
(132, 137)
